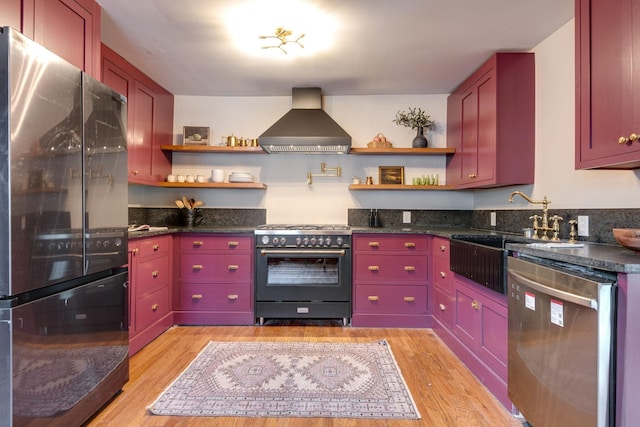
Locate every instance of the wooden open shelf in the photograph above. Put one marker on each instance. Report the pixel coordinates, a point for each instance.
(212, 149)
(396, 187)
(226, 185)
(403, 151)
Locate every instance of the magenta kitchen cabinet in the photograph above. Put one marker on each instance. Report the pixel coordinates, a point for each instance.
(215, 280)
(150, 289)
(442, 280)
(491, 124)
(149, 116)
(480, 322)
(69, 28)
(607, 84)
(391, 280)
(11, 14)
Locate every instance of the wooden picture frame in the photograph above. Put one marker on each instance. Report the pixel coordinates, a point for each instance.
(391, 175)
(196, 135)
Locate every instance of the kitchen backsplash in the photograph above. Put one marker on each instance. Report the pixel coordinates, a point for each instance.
(172, 217)
(601, 221)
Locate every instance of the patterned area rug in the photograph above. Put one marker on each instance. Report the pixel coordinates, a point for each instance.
(290, 379)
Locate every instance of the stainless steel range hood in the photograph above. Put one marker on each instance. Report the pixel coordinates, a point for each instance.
(306, 128)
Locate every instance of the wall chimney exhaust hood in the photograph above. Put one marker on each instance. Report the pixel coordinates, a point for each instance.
(306, 128)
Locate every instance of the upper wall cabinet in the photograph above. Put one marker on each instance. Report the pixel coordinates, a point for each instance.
(69, 28)
(491, 124)
(149, 115)
(607, 84)
(11, 14)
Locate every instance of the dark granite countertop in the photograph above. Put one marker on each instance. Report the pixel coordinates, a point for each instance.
(199, 230)
(599, 256)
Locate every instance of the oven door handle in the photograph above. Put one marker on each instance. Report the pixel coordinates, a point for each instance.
(303, 252)
(566, 296)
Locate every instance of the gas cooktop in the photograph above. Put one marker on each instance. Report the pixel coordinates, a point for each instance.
(300, 229)
(321, 227)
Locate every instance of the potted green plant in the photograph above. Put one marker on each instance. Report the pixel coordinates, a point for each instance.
(416, 118)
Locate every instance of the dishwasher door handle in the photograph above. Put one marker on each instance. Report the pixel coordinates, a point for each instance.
(566, 296)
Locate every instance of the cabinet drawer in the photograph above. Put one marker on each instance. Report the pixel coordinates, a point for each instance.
(152, 308)
(390, 299)
(391, 268)
(215, 268)
(442, 276)
(198, 243)
(151, 275)
(379, 243)
(441, 248)
(215, 297)
(443, 305)
(155, 246)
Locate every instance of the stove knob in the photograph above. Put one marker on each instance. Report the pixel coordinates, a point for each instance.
(313, 241)
(275, 241)
(320, 241)
(106, 244)
(283, 241)
(339, 241)
(327, 241)
(118, 242)
(298, 241)
(305, 241)
(265, 240)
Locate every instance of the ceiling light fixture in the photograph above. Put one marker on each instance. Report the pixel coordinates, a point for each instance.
(282, 36)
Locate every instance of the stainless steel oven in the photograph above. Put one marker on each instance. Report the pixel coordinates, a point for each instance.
(303, 271)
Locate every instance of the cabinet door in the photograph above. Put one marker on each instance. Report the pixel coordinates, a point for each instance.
(479, 131)
(11, 14)
(71, 29)
(141, 143)
(608, 76)
(469, 135)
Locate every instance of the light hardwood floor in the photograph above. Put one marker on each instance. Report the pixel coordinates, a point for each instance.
(445, 392)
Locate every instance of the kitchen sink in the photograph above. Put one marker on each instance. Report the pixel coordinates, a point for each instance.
(482, 259)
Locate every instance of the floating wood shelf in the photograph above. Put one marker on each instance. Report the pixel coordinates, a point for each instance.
(403, 151)
(212, 149)
(225, 185)
(397, 187)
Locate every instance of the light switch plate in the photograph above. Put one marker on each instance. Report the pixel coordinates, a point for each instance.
(406, 217)
(583, 225)
(493, 219)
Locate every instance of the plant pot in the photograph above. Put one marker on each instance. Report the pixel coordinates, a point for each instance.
(420, 141)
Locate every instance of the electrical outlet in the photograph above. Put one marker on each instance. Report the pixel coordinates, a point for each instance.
(493, 219)
(406, 217)
(583, 225)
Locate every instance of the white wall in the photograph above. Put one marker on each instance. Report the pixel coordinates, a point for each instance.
(289, 199)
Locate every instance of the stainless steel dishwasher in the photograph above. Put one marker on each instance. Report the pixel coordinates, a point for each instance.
(561, 360)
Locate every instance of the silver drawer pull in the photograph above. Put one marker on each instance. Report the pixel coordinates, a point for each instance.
(373, 298)
(409, 268)
(196, 296)
(197, 267)
(409, 299)
(232, 267)
(232, 297)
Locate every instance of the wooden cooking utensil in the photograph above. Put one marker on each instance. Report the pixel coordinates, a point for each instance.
(187, 203)
(180, 204)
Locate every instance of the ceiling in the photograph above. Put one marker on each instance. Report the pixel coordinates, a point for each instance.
(378, 46)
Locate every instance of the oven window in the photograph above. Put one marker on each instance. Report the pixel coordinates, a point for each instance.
(293, 271)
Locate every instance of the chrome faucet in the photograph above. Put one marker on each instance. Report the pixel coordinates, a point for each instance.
(545, 217)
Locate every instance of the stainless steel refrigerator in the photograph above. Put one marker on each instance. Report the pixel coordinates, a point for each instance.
(63, 239)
